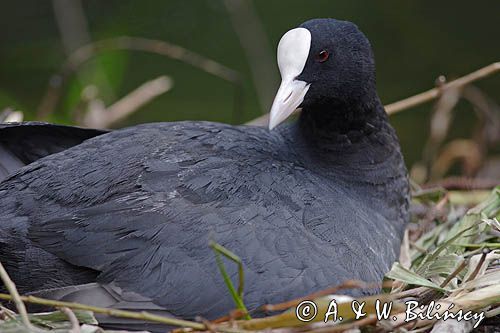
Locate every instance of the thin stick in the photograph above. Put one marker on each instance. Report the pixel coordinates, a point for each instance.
(418, 99)
(492, 246)
(409, 293)
(254, 41)
(11, 287)
(110, 312)
(371, 320)
(493, 312)
(478, 267)
(121, 109)
(233, 315)
(163, 48)
(4, 312)
(434, 93)
(464, 183)
(349, 284)
(455, 273)
(75, 324)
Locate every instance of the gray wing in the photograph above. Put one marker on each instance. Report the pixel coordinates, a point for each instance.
(142, 213)
(108, 296)
(24, 143)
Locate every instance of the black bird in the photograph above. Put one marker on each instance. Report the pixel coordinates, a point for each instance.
(24, 143)
(123, 219)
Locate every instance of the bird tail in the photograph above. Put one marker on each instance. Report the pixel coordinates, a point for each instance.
(20, 145)
(26, 142)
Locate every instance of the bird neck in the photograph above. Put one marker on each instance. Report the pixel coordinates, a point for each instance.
(349, 140)
(354, 146)
(349, 126)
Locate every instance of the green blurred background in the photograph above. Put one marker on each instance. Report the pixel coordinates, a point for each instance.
(414, 42)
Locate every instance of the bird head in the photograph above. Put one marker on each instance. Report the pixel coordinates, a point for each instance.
(322, 62)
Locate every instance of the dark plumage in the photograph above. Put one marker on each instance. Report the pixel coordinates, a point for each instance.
(305, 206)
(24, 143)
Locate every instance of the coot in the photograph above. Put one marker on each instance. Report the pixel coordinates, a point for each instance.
(123, 219)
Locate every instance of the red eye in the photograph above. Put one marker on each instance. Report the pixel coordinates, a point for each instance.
(322, 56)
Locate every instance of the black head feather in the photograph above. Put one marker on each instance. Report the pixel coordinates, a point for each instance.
(348, 73)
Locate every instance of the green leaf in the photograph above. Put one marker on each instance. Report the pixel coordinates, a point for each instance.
(429, 195)
(400, 273)
(56, 322)
(443, 265)
(237, 296)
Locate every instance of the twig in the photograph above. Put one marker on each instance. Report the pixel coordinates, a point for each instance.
(349, 284)
(6, 313)
(86, 52)
(464, 183)
(418, 99)
(409, 293)
(464, 150)
(75, 324)
(492, 246)
(210, 326)
(98, 118)
(478, 267)
(493, 312)
(371, 320)
(8, 115)
(436, 212)
(110, 312)
(418, 248)
(72, 23)
(404, 252)
(434, 93)
(14, 296)
(74, 31)
(487, 112)
(255, 44)
(233, 315)
(453, 274)
(441, 119)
